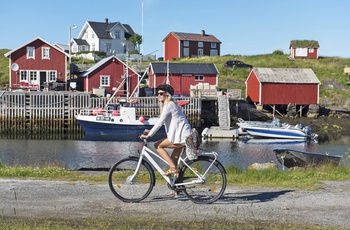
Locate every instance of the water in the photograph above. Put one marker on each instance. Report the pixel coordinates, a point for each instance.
(78, 154)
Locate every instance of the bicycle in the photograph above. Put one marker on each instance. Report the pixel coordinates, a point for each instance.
(202, 180)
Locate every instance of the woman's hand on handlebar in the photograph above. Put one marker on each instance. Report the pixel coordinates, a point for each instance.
(145, 134)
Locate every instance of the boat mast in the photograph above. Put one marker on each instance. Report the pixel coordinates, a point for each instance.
(167, 73)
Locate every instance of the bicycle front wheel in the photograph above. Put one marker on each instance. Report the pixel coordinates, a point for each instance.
(127, 184)
(213, 185)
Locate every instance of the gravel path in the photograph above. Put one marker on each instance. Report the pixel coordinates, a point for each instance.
(329, 206)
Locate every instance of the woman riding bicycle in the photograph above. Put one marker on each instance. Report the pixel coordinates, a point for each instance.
(176, 126)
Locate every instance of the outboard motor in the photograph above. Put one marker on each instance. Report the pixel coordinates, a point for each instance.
(307, 130)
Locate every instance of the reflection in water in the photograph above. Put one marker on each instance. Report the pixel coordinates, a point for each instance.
(77, 154)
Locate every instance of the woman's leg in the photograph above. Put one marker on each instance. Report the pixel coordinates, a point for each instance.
(165, 143)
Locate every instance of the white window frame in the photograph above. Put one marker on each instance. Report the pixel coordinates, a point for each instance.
(213, 52)
(186, 52)
(52, 76)
(199, 77)
(45, 53)
(186, 43)
(33, 75)
(117, 34)
(23, 76)
(105, 80)
(93, 47)
(200, 44)
(30, 52)
(108, 47)
(213, 45)
(200, 52)
(311, 50)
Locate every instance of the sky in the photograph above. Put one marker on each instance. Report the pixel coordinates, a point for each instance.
(245, 27)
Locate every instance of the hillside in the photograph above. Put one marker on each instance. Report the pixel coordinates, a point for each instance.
(330, 71)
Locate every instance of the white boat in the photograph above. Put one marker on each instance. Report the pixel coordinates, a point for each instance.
(275, 129)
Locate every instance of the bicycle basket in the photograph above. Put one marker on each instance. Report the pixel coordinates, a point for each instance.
(192, 145)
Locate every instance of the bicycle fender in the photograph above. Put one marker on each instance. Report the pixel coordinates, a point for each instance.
(212, 158)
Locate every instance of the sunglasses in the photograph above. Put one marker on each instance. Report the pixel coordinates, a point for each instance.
(161, 93)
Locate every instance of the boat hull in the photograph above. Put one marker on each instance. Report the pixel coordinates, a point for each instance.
(296, 158)
(270, 132)
(116, 128)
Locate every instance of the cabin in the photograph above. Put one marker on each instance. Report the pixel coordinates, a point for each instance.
(282, 86)
(179, 45)
(182, 75)
(108, 75)
(304, 49)
(37, 65)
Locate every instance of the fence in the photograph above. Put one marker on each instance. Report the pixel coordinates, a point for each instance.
(54, 112)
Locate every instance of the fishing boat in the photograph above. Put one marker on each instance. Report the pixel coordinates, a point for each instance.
(275, 129)
(296, 158)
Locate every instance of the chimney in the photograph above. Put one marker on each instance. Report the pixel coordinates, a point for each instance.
(106, 20)
(203, 32)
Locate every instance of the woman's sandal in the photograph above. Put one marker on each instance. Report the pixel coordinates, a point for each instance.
(170, 171)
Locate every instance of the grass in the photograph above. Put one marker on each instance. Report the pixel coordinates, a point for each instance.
(145, 223)
(297, 179)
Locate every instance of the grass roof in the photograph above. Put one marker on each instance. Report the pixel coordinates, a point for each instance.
(304, 43)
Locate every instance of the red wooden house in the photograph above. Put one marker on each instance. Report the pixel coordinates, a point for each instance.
(182, 75)
(179, 45)
(282, 86)
(36, 63)
(109, 74)
(304, 49)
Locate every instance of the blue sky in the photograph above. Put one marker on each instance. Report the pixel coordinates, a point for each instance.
(245, 27)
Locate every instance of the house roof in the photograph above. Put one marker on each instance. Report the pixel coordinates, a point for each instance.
(37, 38)
(102, 29)
(203, 37)
(286, 75)
(183, 68)
(304, 44)
(100, 63)
(80, 42)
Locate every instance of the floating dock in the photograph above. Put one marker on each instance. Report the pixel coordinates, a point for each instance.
(217, 132)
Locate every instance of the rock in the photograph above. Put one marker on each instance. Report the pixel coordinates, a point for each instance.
(259, 166)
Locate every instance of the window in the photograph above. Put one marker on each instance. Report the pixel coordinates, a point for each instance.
(24, 76)
(108, 47)
(311, 50)
(186, 52)
(93, 46)
(30, 52)
(186, 43)
(213, 45)
(200, 44)
(52, 76)
(200, 52)
(213, 52)
(104, 80)
(46, 53)
(199, 78)
(117, 34)
(33, 76)
(92, 35)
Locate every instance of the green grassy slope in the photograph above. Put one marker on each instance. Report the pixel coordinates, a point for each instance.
(4, 70)
(330, 71)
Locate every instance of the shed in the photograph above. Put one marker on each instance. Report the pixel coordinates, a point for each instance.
(304, 49)
(110, 73)
(282, 86)
(182, 75)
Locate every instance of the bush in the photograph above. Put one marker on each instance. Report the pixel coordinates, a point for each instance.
(278, 52)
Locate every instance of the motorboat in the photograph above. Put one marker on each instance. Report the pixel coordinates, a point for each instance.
(297, 158)
(275, 129)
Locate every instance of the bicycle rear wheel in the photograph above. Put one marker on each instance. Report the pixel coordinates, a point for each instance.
(214, 184)
(127, 184)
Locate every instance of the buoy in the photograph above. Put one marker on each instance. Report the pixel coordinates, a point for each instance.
(94, 112)
(141, 119)
(100, 110)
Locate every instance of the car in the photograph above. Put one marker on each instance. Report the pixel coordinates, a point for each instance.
(237, 64)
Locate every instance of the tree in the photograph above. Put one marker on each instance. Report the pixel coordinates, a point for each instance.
(136, 40)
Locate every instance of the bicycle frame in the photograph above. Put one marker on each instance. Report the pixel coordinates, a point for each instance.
(147, 152)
